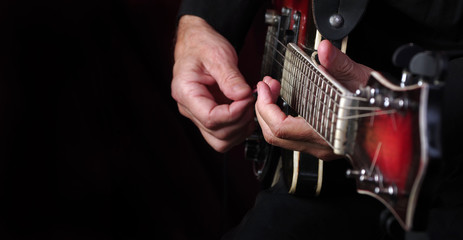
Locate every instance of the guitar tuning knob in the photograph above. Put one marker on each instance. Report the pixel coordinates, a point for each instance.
(420, 65)
(391, 190)
(363, 175)
(429, 65)
(404, 55)
(366, 92)
(354, 173)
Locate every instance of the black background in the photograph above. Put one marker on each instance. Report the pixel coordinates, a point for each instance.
(92, 144)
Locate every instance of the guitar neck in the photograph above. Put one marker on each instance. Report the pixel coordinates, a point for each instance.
(317, 97)
(381, 129)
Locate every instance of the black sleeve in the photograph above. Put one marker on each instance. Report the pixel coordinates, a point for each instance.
(232, 19)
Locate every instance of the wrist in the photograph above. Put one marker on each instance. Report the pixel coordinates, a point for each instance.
(190, 27)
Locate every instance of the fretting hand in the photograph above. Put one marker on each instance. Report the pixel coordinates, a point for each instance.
(293, 132)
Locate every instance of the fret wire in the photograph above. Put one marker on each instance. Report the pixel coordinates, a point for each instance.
(323, 108)
(326, 110)
(317, 103)
(312, 97)
(311, 89)
(313, 86)
(318, 96)
(325, 96)
(319, 110)
(306, 81)
(332, 117)
(302, 84)
(296, 83)
(319, 107)
(298, 75)
(282, 55)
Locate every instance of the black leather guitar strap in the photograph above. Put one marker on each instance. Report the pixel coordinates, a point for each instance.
(335, 19)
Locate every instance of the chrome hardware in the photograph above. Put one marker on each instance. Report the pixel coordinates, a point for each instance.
(364, 176)
(271, 18)
(390, 190)
(336, 20)
(383, 98)
(285, 11)
(296, 24)
(375, 178)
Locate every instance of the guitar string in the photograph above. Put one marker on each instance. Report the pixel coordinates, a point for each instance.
(374, 110)
(325, 129)
(322, 122)
(328, 135)
(319, 89)
(329, 124)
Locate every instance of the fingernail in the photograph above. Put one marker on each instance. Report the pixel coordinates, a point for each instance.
(240, 87)
(259, 86)
(267, 79)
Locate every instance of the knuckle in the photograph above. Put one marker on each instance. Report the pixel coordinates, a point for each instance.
(175, 95)
(279, 132)
(231, 76)
(271, 138)
(346, 67)
(210, 124)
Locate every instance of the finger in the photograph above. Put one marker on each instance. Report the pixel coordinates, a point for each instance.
(223, 145)
(280, 125)
(320, 150)
(274, 86)
(190, 89)
(212, 116)
(287, 131)
(345, 70)
(225, 128)
(225, 138)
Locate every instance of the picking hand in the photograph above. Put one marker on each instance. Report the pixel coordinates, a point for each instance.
(208, 86)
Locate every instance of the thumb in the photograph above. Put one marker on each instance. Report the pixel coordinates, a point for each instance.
(224, 69)
(345, 70)
(232, 83)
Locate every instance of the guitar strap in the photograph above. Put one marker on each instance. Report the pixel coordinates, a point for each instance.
(335, 19)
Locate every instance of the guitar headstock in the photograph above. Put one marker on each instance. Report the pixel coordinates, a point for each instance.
(389, 156)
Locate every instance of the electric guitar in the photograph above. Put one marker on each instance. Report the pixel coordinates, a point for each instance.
(381, 128)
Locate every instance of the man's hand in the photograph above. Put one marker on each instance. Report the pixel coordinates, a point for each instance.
(293, 132)
(208, 86)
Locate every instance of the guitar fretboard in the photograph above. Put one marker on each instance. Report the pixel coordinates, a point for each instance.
(315, 96)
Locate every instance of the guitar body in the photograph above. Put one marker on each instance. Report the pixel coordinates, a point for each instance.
(382, 128)
(390, 155)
